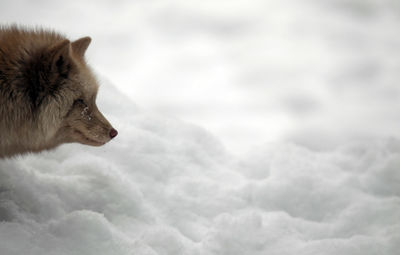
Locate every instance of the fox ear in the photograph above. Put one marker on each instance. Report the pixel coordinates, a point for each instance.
(45, 71)
(60, 56)
(80, 46)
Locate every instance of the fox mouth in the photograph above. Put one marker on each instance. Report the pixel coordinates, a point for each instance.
(87, 140)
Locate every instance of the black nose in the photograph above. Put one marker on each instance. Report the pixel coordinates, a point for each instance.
(113, 133)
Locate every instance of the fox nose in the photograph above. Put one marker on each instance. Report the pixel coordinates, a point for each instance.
(113, 133)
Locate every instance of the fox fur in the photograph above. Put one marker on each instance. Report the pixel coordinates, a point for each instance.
(47, 93)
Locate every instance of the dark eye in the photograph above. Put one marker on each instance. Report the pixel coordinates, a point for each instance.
(80, 101)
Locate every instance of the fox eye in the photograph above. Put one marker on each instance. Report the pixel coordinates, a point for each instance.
(80, 101)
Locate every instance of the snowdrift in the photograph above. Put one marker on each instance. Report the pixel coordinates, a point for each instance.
(166, 187)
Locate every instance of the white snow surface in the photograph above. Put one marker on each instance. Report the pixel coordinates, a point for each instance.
(168, 187)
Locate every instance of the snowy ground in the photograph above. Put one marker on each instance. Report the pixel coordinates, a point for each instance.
(167, 187)
(296, 147)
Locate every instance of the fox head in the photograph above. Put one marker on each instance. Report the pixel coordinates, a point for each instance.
(47, 93)
(63, 93)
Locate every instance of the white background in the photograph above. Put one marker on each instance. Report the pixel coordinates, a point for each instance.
(248, 71)
(258, 127)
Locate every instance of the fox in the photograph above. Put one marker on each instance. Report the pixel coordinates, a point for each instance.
(47, 93)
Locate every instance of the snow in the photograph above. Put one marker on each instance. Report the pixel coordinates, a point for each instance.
(164, 186)
(262, 128)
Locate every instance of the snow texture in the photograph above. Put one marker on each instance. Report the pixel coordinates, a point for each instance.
(167, 187)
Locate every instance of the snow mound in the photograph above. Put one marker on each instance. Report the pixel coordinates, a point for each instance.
(164, 187)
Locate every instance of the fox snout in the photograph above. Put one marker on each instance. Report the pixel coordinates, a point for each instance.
(98, 126)
(87, 124)
(113, 133)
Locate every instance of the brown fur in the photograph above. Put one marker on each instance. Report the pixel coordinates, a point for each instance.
(47, 93)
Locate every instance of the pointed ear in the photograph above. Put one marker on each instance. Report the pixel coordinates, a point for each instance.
(59, 55)
(80, 46)
(46, 69)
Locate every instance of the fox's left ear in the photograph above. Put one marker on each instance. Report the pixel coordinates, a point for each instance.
(80, 46)
(59, 56)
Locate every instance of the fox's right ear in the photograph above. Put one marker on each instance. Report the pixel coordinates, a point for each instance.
(59, 56)
(80, 46)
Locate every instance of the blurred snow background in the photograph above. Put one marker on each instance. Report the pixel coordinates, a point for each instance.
(292, 148)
